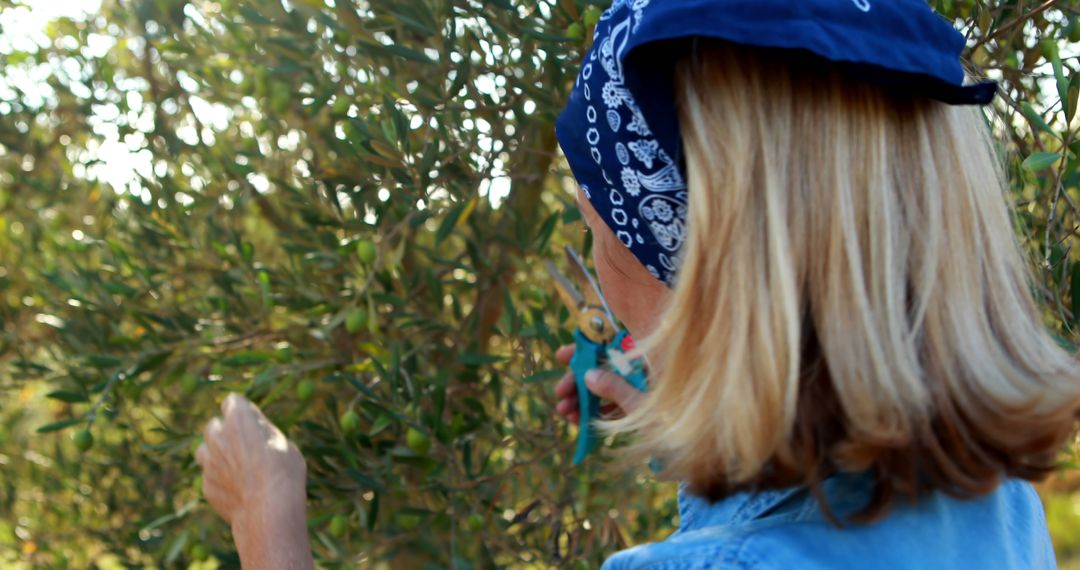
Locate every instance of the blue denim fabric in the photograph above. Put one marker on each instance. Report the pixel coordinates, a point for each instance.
(786, 530)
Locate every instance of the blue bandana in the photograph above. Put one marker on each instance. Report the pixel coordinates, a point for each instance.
(619, 129)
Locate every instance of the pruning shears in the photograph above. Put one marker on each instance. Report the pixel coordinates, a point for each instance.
(599, 341)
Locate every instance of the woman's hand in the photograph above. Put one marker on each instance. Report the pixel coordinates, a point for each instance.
(255, 479)
(621, 396)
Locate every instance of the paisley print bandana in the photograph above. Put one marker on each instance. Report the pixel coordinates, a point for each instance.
(619, 129)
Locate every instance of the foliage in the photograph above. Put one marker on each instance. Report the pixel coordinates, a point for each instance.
(349, 199)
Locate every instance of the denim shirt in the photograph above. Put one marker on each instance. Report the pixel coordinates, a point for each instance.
(785, 529)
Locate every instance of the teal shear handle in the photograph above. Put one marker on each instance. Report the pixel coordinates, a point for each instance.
(589, 355)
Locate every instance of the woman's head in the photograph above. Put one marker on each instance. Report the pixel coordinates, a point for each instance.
(850, 295)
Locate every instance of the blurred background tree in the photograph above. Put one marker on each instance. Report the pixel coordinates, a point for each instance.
(339, 208)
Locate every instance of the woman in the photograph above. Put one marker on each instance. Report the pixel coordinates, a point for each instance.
(804, 226)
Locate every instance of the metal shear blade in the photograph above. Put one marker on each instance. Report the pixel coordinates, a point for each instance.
(593, 295)
(571, 297)
(584, 298)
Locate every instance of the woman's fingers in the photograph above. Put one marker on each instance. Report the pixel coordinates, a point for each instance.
(213, 435)
(565, 353)
(236, 409)
(245, 424)
(202, 455)
(566, 406)
(611, 386)
(611, 411)
(567, 386)
(566, 391)
(230, 403)
(247, 462)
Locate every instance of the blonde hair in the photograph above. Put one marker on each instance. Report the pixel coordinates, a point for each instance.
(851, 295)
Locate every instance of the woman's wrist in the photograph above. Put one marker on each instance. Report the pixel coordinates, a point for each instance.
(274, 536)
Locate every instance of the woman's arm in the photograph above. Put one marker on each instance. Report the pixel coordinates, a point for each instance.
(255, 479)
(274, 540)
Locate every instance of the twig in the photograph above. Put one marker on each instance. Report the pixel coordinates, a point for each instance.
(1058, 189)
(104, 393)
(1019, 21)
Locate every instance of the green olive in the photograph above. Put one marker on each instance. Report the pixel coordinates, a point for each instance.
(338, 525)
(408, 521)
(341, 105)
(356, 320)
(417, 441)
(130, 389)
(83, 439)
(591, 16)
(350, 422)
(575, 31)
(280, 100)
(305, 390)
(284, 354)
(365, 250)
(199, 552)
(189, 383)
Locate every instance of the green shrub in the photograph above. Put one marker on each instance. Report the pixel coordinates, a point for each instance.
(341, 211)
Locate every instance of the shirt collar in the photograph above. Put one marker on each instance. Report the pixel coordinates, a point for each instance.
(696, 512)
(846, 493)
